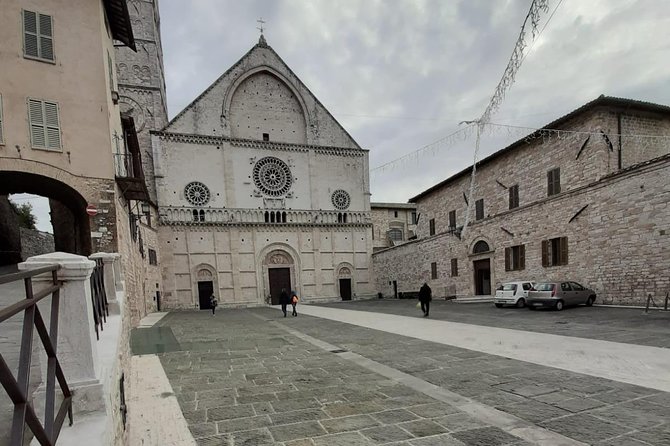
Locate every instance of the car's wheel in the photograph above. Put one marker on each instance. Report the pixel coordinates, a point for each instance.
(521, 303)
(499, 305)
(590, 300)
(559, 305)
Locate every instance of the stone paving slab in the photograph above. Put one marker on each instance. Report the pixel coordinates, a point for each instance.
(585, 408)
(289, 393)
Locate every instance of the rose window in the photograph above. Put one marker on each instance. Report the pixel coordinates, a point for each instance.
(341, 199)
(272, 176)
(197, 193)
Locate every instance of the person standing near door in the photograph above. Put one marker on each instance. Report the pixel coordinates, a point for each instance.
(213, 301)
(425, 296)
(283, 300)
(294, 302)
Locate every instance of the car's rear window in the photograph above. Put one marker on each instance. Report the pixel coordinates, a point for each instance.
(544, 287)
(509, 287)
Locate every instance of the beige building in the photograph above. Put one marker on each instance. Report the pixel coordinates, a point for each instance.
(590, 204)
(392, 224)
(260, 189)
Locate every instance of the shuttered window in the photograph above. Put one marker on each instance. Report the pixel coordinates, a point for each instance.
(555, 251)
(431, 225)
(454, 267)
(479, 209)
(515, 258)
(554, 181)
(2, 135)
(433, 270)
(514, 196)
(452, 219)
(38, 36)
(44, 125)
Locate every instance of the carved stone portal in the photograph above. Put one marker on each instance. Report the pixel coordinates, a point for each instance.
(279, 259)
(205, 274)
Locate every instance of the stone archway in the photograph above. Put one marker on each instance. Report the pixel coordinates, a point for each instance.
(279, 274)
(481, 266)
(71, 224)
(344, 280)
(205, 284)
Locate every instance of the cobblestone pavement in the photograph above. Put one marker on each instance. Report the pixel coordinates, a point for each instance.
(629, 326)
(244, 377)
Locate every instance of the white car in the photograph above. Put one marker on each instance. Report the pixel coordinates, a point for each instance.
(513, 293)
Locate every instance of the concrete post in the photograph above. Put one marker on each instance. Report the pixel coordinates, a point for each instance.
(77, 345)
(109, 279)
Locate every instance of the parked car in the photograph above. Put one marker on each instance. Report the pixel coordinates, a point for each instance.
(559, 294)
(513, 293)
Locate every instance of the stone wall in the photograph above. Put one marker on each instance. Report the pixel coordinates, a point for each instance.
(34, 243)
(618, 245)
(387, 217)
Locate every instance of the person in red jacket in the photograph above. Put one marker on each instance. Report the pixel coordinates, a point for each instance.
(294, 301)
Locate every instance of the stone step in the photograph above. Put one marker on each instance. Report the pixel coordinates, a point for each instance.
(473, 299)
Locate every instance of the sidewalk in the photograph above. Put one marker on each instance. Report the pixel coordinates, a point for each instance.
(252, 377)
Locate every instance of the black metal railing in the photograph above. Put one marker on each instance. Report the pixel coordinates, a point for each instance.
(18, 388)
(99, 297)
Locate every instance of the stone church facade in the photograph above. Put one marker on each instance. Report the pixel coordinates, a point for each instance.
(592, 207)
(259, 188)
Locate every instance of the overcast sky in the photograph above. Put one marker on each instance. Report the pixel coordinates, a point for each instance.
(400, 74)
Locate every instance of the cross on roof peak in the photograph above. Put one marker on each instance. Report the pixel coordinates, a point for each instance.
(261, 22)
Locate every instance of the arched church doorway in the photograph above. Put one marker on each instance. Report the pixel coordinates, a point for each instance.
(279, 264)
(482, 269)
(205, 281)
(71, 224)
(344, 282)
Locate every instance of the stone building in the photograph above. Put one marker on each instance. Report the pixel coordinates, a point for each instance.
(590, 204)
(260, 188)
(392, 224)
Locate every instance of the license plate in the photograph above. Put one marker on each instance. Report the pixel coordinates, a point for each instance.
(537, 305)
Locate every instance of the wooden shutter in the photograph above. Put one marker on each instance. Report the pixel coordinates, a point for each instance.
(479, 209)
(564, 251)
(46, 37)
(508, 259)
(550, 183)
(522, 257)
(432, 226)
(545, 253)
(454, 267)
(433, 270)
(36, 119)
(452, 219)
(30, 39)
(557, 180)
(52, 125)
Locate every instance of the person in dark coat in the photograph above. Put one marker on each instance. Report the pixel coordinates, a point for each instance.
(425, 296)
(284, 300)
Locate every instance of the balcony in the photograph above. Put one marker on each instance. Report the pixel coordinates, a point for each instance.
(128, 165)
(274, 217)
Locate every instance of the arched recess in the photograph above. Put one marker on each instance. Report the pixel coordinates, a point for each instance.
(273, 261)
(345, 280)
(203, 277)
(280, 111)
(481, 246)
(71, 224)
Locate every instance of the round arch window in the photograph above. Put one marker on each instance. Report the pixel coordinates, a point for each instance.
(480, 246)
(197, 193)
(272, 176)
(341, 199)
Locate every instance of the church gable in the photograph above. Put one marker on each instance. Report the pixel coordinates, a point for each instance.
(261, 98)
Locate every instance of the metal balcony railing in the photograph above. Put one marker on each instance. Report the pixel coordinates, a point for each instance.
(99, 297)
(17, 388)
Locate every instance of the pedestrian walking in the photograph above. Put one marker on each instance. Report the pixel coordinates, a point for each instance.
(294, 302)
(425, 296)
(213, 302)
(283, 300)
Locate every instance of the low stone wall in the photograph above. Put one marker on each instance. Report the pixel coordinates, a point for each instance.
(34, 243)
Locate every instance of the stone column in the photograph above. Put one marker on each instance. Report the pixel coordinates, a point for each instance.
(117, 272)
(109, 279)
(77, 346)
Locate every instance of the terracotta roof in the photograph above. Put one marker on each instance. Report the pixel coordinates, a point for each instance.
(601, 101)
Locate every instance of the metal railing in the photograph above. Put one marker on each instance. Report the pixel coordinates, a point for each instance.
(18, 388)
(99, 297)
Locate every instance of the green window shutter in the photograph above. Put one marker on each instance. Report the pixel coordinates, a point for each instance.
(46, 37)
(52, 125)
(2, 136)
(30, 38)
(36, 120)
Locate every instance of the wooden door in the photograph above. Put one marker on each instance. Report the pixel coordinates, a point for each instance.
(280, 278)
(205, 290)
(482, 269)
(345, 289)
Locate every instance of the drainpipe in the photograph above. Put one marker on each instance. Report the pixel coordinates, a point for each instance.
(620, 161)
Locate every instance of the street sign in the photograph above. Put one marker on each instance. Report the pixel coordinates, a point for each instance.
(91, 210)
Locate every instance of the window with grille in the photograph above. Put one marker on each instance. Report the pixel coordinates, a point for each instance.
(153, 259)
(454, 267)
(38, 36)
(431, 225)
(555, 251)
(514, 196)
(515, 258)
(554, 181)
(433, 270)
(395, 234)
(44, 124)
(479, 209)
(415, 219)
(452, 219)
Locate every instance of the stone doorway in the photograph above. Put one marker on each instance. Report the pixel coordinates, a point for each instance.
(345, 289)
(482, 271)
(205, 290)
(280, 278)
